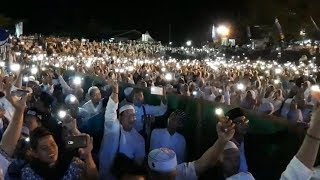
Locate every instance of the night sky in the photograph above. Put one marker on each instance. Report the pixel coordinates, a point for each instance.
(189, 19)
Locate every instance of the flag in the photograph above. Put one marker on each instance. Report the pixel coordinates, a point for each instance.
(249, 32)
(279, 28)
(314, 23)
(19, 29)
(214, 35)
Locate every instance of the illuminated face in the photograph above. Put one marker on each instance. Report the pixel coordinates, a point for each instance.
(127, 119)
(47, 150)
(96, 96)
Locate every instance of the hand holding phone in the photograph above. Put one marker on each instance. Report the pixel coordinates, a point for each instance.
(76, 142)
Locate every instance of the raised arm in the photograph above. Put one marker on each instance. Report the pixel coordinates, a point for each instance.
(91, 171)
(300, 167)
(225, 130)
(112, 106)
(64, 84)
(13, 132)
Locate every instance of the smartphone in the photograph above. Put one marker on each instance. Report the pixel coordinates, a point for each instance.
(20, 92)
(157, 90)
(76, 142)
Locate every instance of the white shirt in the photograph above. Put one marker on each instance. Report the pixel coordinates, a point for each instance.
(131, 143)
(8, 107)
(150, 110)
(296, 170)
(91, 109)
(186, 171)
(161, 138)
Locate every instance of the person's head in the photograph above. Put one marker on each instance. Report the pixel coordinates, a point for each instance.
(31, 120)
(43, 146)
(230, 159)
(95, 94)
(138, 97)
(251, 94)
(176, 120)
(128, 93)
(71, 101)
(238, 117)
(46, 78)
(162, 164)
(127, 117)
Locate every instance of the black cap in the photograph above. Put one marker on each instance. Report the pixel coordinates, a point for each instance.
(234, 113)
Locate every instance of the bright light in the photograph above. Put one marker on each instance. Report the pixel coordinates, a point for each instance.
(168, 77)
(278, 71)
(25, 79)
(240, 87)
(73, 99)
(34, 70)
(188, 43)
(315, 88)
(77, 80)
(223, 30)
(170, 43)
(163, 69)
(27, 139)
(276, 81)
(2, 64)
(219, 112)
(72, 68)
(62, 114)
(194, 93)
(15, 67)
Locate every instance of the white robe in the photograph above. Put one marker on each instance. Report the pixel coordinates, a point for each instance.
(91, 109)
(131, 143)
(161, 138)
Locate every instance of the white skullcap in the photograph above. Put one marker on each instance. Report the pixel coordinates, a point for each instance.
(128, 91)
(230, 145)
(126, 107)
(266, 107)
(162, 160)
(71, 99)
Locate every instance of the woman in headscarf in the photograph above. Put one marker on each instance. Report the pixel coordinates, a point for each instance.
(277, 100)
(250, 101)
(294, 114)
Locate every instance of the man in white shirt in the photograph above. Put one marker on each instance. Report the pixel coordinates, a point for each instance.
(145, 109)
(169, 137)
(163, 163)
(94, 105)
(119, 135)
(301, 166)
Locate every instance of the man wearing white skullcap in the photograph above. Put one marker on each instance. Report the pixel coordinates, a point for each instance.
(163, 164)
(119, 135)
(231, 163)
(128, 97)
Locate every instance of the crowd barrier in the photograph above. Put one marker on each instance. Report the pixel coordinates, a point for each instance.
(270, 144)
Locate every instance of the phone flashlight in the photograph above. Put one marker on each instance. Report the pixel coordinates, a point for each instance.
(62, 114)
(219, 112)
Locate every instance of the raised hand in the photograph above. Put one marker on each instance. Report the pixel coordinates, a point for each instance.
(225, 129)
(86, 152)
(115, 87)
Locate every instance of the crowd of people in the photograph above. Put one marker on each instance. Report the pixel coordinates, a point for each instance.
(43, 114)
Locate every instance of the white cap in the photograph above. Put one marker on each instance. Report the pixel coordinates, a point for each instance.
(126, 107)
(162, 160)
(128, 91)
(241, 176)
(230, 145)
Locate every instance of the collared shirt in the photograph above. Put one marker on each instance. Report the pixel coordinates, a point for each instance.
(131, 143)
(91, 109)
(150, 110)
(296, 170)
(186, 171)
(161, 138)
